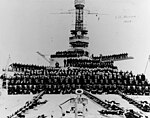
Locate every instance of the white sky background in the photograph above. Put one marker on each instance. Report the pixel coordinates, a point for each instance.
(26, 26)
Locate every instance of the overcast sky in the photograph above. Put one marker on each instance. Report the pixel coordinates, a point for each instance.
(27, 26)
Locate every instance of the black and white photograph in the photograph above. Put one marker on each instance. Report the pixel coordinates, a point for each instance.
(74, 58)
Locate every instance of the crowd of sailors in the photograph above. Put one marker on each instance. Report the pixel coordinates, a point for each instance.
(30, 79)
(77, 53)
(88, 63)
(111, 57)
(67, 54)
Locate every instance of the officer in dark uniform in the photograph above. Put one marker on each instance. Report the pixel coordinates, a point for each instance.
(63, 88)
(94, 89)
(58, 89)
(73, 88)
(54, 89)
(68, 89)
(99, 89)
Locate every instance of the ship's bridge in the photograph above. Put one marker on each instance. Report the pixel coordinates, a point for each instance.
(79, 38)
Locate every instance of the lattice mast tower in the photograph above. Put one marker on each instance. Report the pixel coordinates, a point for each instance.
(79, 40)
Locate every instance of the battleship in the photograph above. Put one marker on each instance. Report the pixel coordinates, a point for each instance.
(77, 84)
